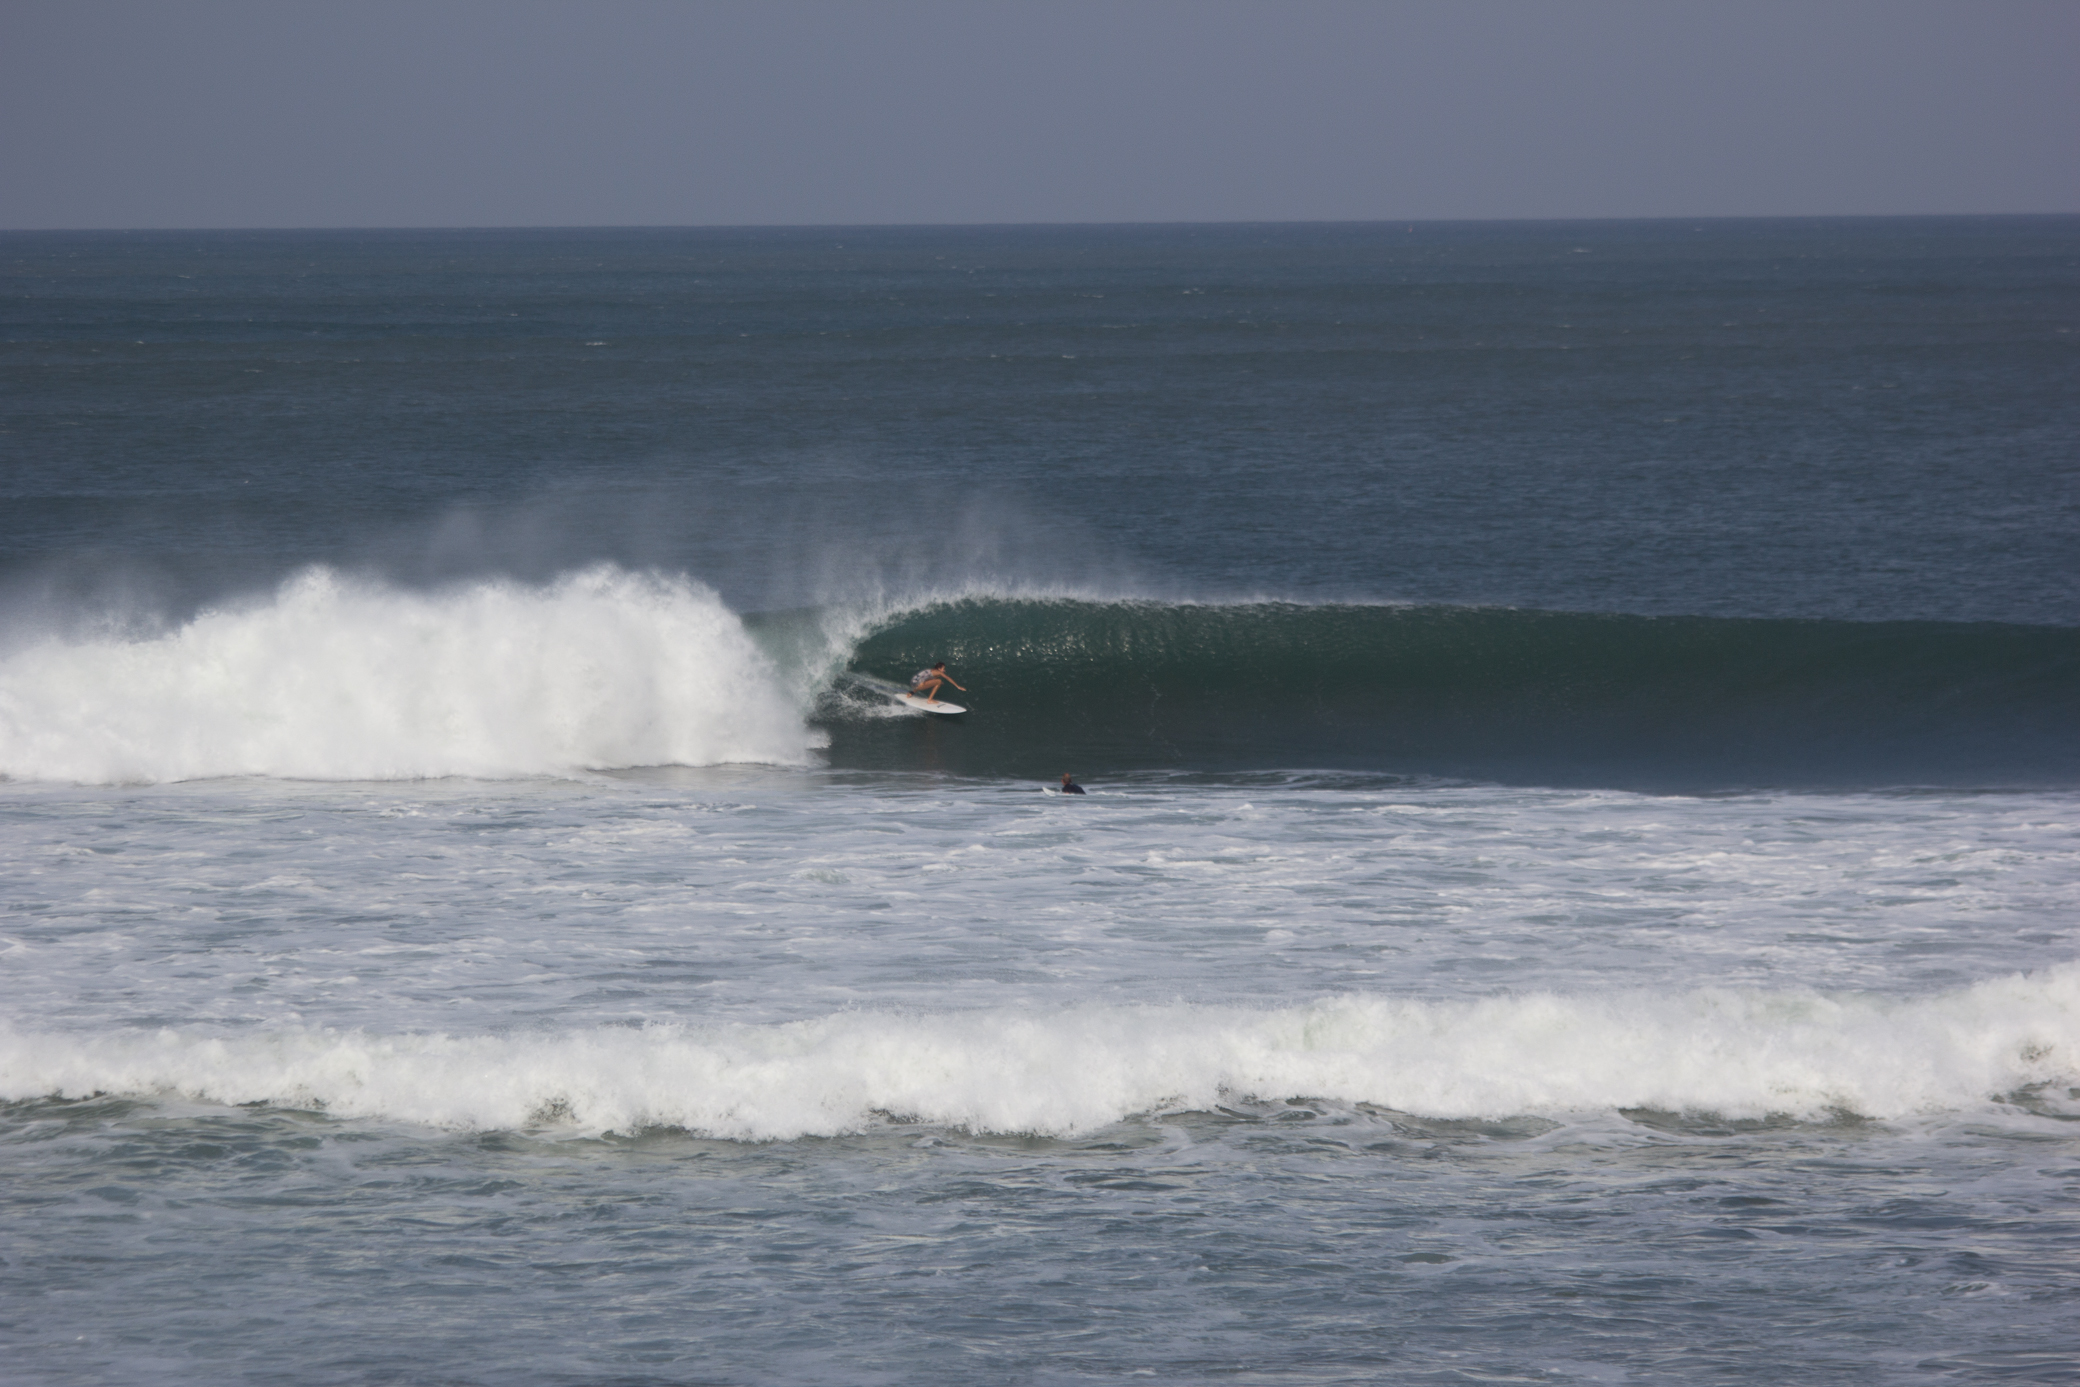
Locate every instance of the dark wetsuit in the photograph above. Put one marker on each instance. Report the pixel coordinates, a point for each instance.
(1070, 787)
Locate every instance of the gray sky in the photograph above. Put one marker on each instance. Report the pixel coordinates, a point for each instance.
(186, 113)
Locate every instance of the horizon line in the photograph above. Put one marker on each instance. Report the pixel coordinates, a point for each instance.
(1034, 225)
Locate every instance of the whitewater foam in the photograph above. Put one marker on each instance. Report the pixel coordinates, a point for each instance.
(1736, 1054)
(334, 679)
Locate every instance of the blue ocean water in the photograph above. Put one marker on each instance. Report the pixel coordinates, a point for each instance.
(1578, 883)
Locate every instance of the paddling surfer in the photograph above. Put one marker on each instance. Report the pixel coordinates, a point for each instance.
(1069, 785)
(925, 683)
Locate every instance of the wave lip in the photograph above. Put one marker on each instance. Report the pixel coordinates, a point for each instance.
(1734, 1054)
(332, 679)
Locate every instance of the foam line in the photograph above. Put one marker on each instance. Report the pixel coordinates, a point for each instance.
(1075, 1070)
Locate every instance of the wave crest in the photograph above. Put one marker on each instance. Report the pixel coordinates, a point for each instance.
(1076, 1070)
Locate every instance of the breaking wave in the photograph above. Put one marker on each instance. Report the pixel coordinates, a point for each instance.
(336, 679)
(1484, 693)
(1734, 1054)
(332, 679)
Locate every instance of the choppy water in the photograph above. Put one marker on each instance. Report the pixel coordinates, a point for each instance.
(1578, 885)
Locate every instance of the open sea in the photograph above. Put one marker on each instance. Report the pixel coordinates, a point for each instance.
(1580, 879)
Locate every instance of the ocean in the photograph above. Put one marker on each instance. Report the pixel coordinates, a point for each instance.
(1580, 879)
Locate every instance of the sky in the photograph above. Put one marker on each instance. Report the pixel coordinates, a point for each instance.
(375, 113)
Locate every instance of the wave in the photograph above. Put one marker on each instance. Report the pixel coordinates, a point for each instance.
(332, 679)
(336, 679)
(1480, 693)
(1732, 1054)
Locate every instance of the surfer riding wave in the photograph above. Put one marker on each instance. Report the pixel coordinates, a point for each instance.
(925, 683)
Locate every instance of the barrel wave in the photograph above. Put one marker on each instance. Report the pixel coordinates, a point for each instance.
(1680, 703)
(334, 678)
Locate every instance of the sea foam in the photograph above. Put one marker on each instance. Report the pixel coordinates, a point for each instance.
(334, 679)
(1075, 1070)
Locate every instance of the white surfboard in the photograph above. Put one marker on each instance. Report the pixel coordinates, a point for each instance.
(930, 705)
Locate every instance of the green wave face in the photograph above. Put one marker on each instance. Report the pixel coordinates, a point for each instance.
(1531, 697)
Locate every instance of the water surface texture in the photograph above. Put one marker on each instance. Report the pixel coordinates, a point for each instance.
(1580, 881)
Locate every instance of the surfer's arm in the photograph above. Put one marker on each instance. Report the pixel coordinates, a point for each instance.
(962, 687)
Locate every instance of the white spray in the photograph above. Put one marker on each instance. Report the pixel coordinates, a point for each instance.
(339, 680)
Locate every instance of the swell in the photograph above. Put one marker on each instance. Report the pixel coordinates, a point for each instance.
(1531, 696)
(1735, 1054)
